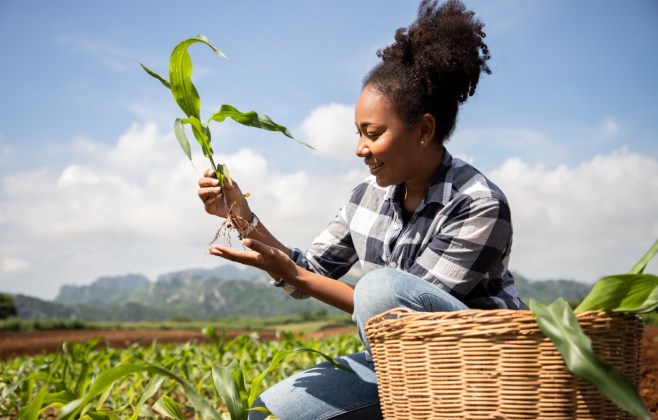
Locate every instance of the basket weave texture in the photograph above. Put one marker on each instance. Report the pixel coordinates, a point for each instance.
(493, 364)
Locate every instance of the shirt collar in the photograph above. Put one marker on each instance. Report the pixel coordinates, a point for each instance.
(440, 187)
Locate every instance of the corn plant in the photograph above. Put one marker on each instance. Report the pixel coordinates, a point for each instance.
(187, 97)
(634, 293)
(84, 381)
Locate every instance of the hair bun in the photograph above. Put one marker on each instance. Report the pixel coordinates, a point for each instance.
(444, 49)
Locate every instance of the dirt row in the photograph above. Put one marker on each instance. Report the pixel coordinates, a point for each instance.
(16, 344)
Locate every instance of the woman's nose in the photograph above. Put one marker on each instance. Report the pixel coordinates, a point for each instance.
(361, 149)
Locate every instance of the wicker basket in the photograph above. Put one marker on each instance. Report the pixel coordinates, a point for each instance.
(494, 364)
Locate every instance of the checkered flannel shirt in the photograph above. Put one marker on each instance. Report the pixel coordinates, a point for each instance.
(459, 238)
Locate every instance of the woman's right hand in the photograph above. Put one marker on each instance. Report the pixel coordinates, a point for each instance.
(219, 200)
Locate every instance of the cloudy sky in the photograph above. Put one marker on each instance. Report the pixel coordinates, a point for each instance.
(93, 183)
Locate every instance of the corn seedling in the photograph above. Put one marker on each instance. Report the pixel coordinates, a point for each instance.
(187, 97)
(158, 381)
(634, 293)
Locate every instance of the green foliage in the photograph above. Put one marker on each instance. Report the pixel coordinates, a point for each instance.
(559, 323)
(219, 293)
(187, 97)
(7, 306)
(634, 292)
(170, 380)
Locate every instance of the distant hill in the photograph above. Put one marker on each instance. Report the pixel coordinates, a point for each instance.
(197, 294)
(210, 294)
(546, 291)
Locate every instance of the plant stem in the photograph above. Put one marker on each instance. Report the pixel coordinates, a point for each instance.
(214, 168)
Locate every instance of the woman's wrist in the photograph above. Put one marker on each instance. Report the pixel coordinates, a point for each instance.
(247, 226)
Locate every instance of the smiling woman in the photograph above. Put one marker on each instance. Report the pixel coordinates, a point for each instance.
(430, 232)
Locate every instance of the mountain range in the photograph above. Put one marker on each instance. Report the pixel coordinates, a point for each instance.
(212, 294)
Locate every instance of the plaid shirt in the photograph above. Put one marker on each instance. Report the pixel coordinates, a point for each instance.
(459, 238)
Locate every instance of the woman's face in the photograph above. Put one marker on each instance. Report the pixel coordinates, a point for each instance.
(385, 143)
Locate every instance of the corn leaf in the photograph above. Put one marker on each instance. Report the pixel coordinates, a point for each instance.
(558, 322)
(638, 268)
(103, 415)
(251, 119)
(153, 386)
(168, 407)
(180, 76)
(327, 358)
(632, 293)
(162, 80)
(179, 131)
(31, 411)
(227, 388)
(254, 391)
(109, 376)
(61, 397)
(201, 134)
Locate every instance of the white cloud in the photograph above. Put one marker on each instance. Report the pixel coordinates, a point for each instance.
(496, 144)
(581, 222)
(133, 207)
(330, 129)
(13, 265)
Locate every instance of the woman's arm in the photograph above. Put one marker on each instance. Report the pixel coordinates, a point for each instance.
(267, 252)
(279, 265)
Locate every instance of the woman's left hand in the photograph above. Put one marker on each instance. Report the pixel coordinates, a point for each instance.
(276, 262)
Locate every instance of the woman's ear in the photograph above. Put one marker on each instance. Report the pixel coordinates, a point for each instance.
(427, 127)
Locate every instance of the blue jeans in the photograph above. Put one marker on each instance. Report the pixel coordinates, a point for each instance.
(324, 392)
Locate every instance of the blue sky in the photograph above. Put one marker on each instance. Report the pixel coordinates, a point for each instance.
(92, 181)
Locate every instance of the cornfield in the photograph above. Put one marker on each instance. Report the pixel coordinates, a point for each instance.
(186, 381)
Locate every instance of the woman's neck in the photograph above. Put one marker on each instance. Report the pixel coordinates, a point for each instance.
(415, 189)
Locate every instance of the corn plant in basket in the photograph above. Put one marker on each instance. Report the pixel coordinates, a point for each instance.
(187, 97)
(631, 293)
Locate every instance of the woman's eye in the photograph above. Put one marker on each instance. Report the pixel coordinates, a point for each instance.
(369, 136)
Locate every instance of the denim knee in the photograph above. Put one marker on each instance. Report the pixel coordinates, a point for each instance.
(373, 291)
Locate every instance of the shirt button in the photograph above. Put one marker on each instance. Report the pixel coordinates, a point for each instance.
(393, 264)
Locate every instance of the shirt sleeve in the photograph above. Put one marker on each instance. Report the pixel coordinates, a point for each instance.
(331, 254)
(471, 245)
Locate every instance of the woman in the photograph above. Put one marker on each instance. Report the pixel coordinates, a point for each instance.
(430, 231)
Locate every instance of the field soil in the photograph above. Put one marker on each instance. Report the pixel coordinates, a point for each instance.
(16, 344)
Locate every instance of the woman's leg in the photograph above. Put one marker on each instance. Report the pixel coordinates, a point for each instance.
(388, 288)
(325, 392)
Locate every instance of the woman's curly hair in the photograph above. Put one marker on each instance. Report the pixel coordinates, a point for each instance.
(434, 65)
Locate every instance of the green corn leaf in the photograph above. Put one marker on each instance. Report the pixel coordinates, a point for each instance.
(180, 76)
(61, 397)
(327, 358)
(154, 385)
(109, 376)
(256, 384)
(251, 119)
(632, 293)
(201, 134)
(227, 388)
(179, 131)
(558, 322)
(168, 407)
(240, 381)
(162, 80)
(223, 173)
(31, 411)
(103, 415)
(638, 268)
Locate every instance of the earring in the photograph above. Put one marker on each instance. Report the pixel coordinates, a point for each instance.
(422, 142)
